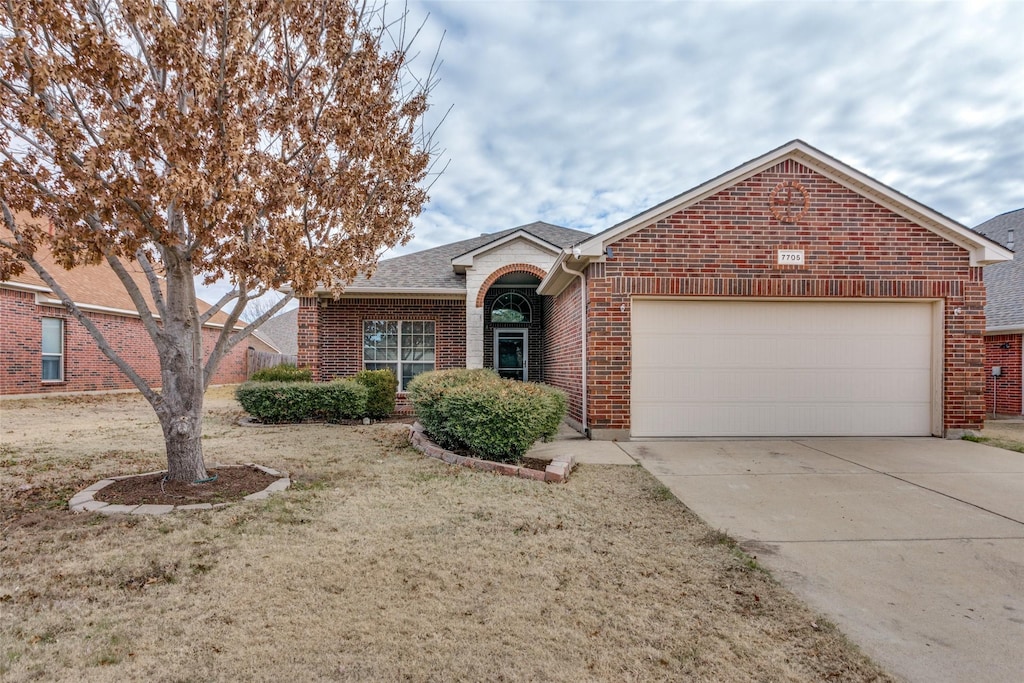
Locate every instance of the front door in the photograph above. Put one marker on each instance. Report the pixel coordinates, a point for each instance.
(510, 353)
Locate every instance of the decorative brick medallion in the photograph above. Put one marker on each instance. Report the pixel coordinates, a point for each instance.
(789, 201)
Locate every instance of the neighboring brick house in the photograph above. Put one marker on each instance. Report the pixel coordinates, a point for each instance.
(1004, 318)
(44, 350)
(791, 296)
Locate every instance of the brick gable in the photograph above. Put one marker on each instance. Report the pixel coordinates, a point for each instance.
(725, 246)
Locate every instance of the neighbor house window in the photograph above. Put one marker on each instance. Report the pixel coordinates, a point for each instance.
(510, 307)
(404, 347)
(53, 350)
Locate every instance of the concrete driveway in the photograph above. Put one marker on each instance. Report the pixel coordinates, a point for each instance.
(914, 547)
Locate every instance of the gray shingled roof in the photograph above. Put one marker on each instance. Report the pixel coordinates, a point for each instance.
(432, 268)
(1004, 282)
(283, 331)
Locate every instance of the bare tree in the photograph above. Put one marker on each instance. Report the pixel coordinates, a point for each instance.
(258, 307)
(269, 144)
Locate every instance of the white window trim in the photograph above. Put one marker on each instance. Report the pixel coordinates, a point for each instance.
(521, 297)
(59, 356)
(399, 362)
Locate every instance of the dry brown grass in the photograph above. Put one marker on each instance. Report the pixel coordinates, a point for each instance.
(1008, 434)
(379, 565)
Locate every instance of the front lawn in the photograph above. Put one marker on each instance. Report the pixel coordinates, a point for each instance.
(1003, 433)
(378, 565)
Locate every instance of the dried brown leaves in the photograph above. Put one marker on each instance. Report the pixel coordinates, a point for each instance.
(270, 143)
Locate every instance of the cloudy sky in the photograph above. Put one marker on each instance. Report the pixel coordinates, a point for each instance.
(584, 113)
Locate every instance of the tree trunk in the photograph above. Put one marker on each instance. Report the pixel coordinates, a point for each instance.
(181, 418)
(183, 435)
(180, 406)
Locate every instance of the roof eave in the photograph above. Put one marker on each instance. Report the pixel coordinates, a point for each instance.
(255, 334)
(24, 287)
(558, 278)
(411, 292)
(465, 260)
(43, 300)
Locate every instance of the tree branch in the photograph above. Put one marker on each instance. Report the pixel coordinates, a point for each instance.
(154, 282)
(216, 308)
(230, 341)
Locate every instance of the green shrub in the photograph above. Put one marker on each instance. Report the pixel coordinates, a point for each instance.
(286, 372)
(343, 399)
(425, 392)
(277, 402)
(381, 386)
(553, 412)
(497, 419)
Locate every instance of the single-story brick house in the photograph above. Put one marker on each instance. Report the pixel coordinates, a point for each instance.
(792, 295)
(44, 350)
(1004, 318)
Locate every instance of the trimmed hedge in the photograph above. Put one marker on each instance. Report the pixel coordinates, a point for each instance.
(497, 419)
(286, 372)
(381, 386)
(426, 391)
(277, 402)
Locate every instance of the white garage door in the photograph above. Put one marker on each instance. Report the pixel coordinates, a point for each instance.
(781, 368)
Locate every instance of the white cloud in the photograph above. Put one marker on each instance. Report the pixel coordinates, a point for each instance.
(582, 113)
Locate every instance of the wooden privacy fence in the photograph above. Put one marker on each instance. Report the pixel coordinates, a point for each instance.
(259, 360)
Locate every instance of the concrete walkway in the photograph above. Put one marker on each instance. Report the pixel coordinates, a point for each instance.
(914, 547)
(570, 442)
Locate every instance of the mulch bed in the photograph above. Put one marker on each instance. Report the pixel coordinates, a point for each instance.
(233, 483)
(536, 463)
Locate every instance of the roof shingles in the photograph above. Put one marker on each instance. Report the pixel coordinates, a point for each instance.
(1004, 282)
(432, 268)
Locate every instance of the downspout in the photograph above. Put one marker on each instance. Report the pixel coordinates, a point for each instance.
(583, 342)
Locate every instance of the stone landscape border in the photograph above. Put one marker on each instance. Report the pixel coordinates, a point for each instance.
(85, 500)
(557, 472)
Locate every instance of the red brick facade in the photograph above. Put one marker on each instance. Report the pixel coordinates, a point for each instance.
(562, 348)
(725, 245)
(330, 332)
(85, 367)
(1003, 394)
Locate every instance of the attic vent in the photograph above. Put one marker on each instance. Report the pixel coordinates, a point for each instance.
(1009, 239)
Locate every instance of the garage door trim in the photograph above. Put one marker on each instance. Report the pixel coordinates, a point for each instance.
(935, 386)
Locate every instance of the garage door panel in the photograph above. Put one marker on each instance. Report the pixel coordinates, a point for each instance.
(845, 386)
(781, 368)
(770, 419)
(789, 351)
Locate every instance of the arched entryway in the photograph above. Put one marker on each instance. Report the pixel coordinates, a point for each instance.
(514, 326)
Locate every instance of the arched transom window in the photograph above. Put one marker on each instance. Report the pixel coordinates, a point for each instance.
(510, 307)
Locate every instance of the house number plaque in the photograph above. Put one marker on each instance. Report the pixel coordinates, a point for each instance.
(791, 257)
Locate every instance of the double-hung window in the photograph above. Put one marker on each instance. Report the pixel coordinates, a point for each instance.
(404, 347)
(53, 350)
